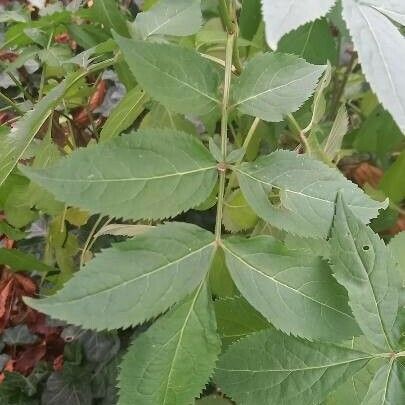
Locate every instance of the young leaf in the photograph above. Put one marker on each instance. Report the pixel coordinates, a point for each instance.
(151, 272)
(306, 191)
(364, 266)
(177, 77)
(313, 42)
(273, 85)
(270, 367)
(170, 17)
(388, 385)
(339, 130)
(123, 116)
(14, 144)
(107, 13)
(145, 174)
(294, 290)
(281, 16)
(381, 49)
(172, 361)
(19, 260)
(236, 319)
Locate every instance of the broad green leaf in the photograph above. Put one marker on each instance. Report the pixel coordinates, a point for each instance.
(134, 280)
(236, 319)
(237, 215)
(378, 134)
(364, 266)
(283, 16)
(106, 12)
(355, 388)
(170, 17)
(10, 232)
(313, 42)
(294, 290)
(339, 129)
(250, 18)
(393, 181)
(388, 385)
(19, 260)
(124, 114)
(177, 77)
(397, 248)
(221, 283)
(297, 193)
(271, 368)
(273, 85)
(171, 362)
(314, 246)
(144, 174)
(381, 49)
(15, 143)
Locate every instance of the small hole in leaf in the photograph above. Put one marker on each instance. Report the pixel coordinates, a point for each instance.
(365, 248)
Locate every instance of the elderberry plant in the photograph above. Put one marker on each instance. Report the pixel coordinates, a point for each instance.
(292, 299)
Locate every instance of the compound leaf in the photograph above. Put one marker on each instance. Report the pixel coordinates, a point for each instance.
(381, 49)
(294, 290)
(283, 16)
(364, 266)
(273, 85)
(271, 368)
(170, 17)
(177, 77)
(146, 174)
(171, 362)
(134, 280)
(305, 190)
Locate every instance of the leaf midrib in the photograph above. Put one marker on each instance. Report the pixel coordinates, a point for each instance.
(294, 370)
(164, 176)
(150, 273)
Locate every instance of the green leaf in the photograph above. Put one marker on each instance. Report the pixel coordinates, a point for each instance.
(388, 385)
(393, 9)
(294, 290)
(381, 49)
(124, 114)
(378, 134)
(144, 174)
(396, 246)
(316, 247)
(171, 260)
(269, 367)
(212, 400)
(15, 143)
(106, 12)
(273, 85)
(190, 81)
(313, 42)
(393, 181)
(250, 18)
(19, 260)
(364, 266)
(281, 16)
(302, 193)
(339, 129)
(236, 319)
(237, 215)
(170, 17)
(171, 362)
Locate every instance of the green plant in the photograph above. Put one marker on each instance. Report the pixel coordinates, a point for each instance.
(313, 294)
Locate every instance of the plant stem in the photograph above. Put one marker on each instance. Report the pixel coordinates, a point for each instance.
(88, 240)
(224, 134)
(304, 141)
(11, 103)
(226, 16)
(245, 145)
(339, 93)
